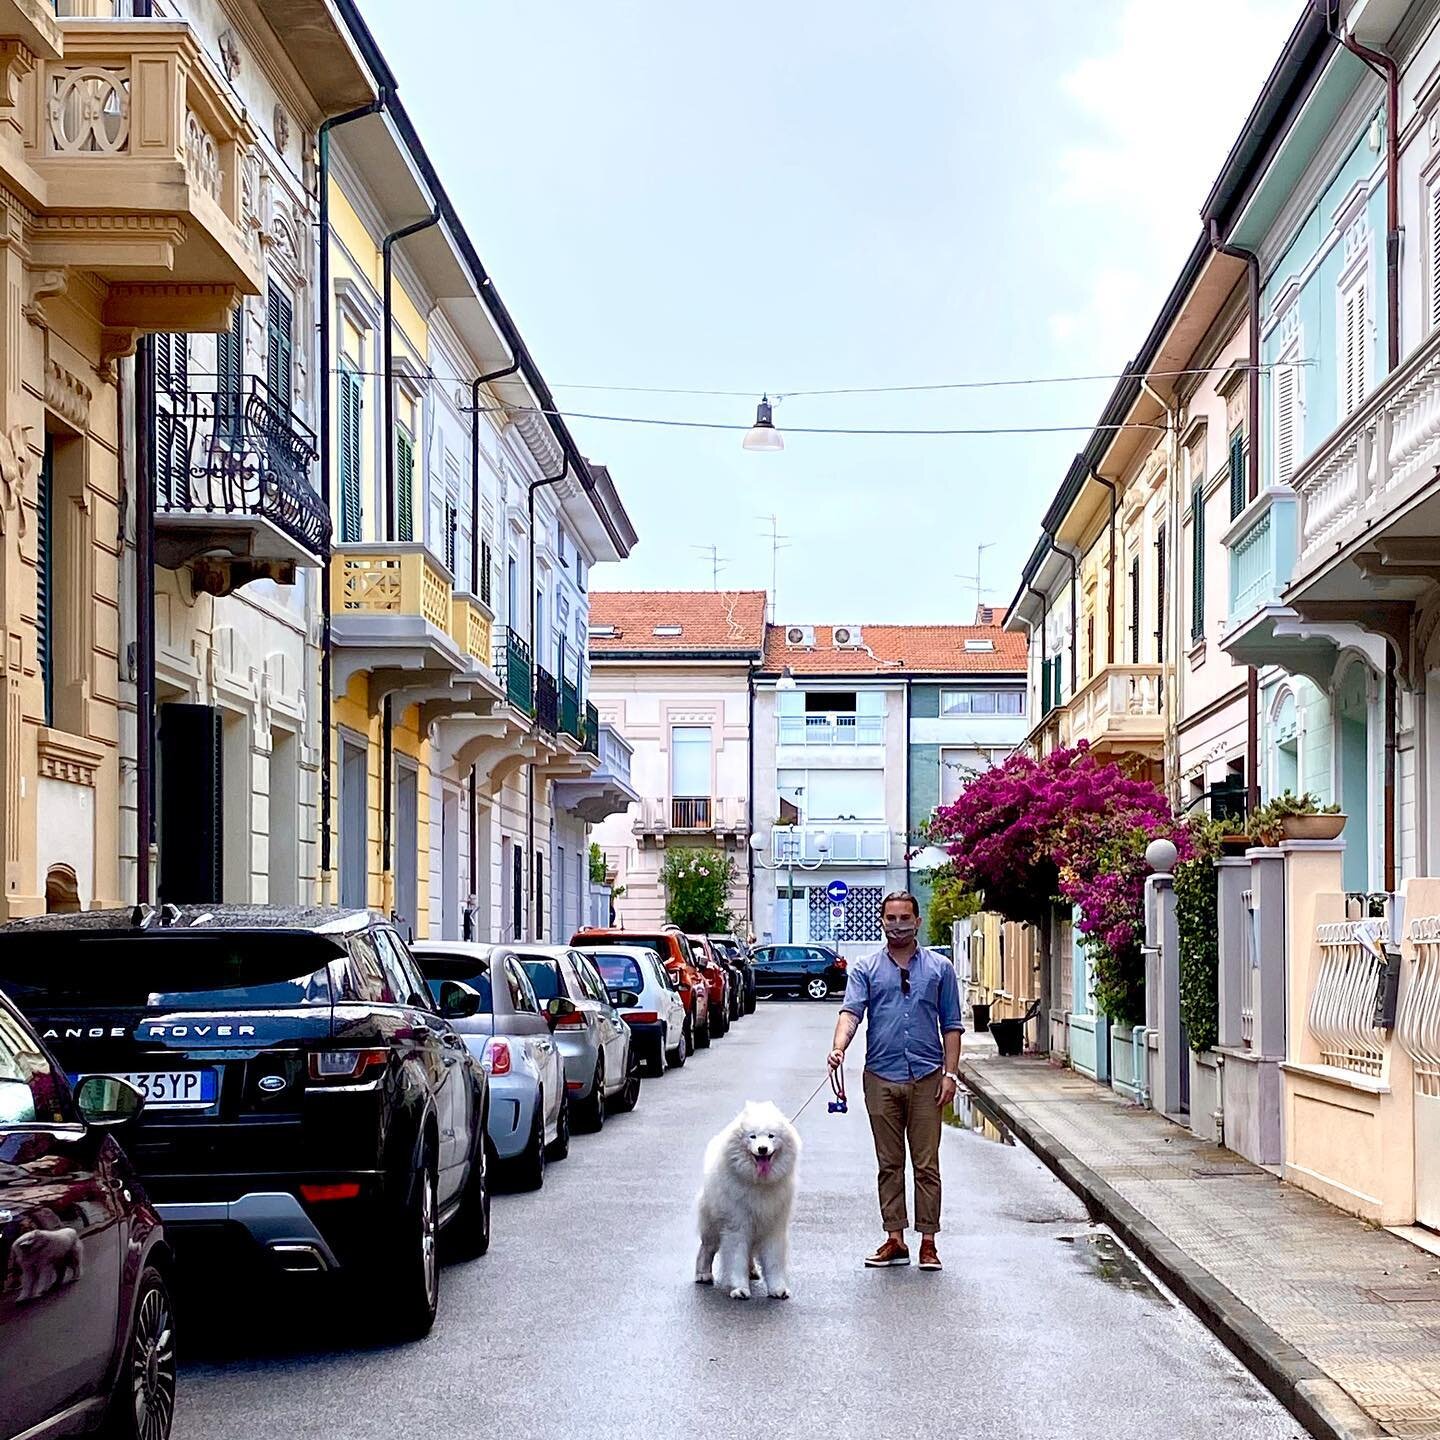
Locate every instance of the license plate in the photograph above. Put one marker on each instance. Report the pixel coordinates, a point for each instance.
(169, 1089)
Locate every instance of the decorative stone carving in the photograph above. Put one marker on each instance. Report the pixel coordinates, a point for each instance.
(66, 395)
(16, 62)
(89, 109)
(15, 464)
(282, 128)
(43, 284)
(229, 54)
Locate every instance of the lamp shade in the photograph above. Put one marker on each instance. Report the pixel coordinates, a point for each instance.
(786, 680)
(763, 435)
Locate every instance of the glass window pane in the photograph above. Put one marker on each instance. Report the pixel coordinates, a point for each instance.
(690, 760)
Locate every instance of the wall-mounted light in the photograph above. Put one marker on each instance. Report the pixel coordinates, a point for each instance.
(786, 680)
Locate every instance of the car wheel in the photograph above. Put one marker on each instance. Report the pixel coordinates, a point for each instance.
(660, 1056)
(817, 988)
(629, 1095)
(561, 1146)
(686, 1047)
(593, 1109)
(143, 1403)
(529, 1165)
(469, 1231)
(702, 1037)
(719, 1023)
(413, 1260)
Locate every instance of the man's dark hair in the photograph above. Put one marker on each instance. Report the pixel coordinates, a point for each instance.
(901, 895)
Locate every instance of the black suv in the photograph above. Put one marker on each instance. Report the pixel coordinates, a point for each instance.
(306, 1095)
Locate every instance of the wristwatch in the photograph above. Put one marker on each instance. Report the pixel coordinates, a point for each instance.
(951, 1075)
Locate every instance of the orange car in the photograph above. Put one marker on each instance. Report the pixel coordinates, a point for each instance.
(679, 959)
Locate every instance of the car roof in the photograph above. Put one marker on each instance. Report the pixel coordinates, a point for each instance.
(542, 952)
(630, 952)
(197, 919)
(470, 949)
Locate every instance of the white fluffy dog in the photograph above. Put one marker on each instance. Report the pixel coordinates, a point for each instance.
(745, 1202)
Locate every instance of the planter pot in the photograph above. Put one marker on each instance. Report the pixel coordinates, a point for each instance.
(1313, 827)
(1236, 844)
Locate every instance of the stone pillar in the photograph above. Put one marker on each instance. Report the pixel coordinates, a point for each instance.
(1267, 886)
(1314, 893)
(1162, 993)
(1233, 878)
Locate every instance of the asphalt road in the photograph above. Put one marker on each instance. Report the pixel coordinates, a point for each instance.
(584, 1319)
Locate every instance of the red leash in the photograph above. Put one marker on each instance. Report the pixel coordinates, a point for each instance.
(838, 1105)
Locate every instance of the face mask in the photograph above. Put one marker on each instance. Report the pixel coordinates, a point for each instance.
(899, 929)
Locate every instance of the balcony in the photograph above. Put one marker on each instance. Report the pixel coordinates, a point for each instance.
(572, 717)
(1119, 710)
(132, 154)
(512, 666)
(607, 789)
(1260, 628)
(832, 727)
(690, 813)
(547, 701)
(233, 494)
(846, 843)
(723, 818)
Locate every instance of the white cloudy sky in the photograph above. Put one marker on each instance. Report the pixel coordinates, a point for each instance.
(824, 195)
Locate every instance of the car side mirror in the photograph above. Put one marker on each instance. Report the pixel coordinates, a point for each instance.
(624, 999)
(558, 1008)
(108, 1103)
(457, 1001)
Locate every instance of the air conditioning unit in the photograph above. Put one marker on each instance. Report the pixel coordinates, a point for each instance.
(848, 637)
(801, 635)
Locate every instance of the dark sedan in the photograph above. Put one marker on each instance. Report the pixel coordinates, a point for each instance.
(85, 1307)
(813, 970)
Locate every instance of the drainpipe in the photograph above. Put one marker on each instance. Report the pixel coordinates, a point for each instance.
(144, 612)
(475, 385)
(534, 667)
(387, 247)
(1114, 490)
(1172, 527)
(1391, 725)
(1252, 490)
(326, 342)
(750, 797)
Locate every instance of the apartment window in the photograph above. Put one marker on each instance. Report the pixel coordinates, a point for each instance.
(690, 776)
(512, 593)
(404, 484)
(1197, 561)
(1239, 487)
(486, 563)
(450, 523)
(280, 346)
(982, 702)
(1090, 644)
(1161, 538)
(1354, 340)
(349, 448)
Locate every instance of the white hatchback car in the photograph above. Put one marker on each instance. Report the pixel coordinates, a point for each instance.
(657, 1023)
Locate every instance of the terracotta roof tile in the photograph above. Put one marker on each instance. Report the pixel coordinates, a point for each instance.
(727, 622)
(899, 649)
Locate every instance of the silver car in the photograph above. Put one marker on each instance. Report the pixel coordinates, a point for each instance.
(510, 1035)
(600, 1062)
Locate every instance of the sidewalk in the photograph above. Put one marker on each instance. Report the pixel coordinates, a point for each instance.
(1339, 1319)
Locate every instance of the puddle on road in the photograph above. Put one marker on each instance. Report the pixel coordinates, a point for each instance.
(1103, 1255)
(964, 1113)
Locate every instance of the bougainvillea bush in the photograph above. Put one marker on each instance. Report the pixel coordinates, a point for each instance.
(1068, 828)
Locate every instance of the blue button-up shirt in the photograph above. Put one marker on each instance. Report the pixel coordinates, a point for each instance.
(902, 1040)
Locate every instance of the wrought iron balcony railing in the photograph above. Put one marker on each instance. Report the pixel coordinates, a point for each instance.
(239, 454)
(690, 812)
(571, 715)
(547, 701)
(590, 741)
(512, 666)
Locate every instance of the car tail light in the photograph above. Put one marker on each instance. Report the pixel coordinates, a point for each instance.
(641, 1017)
(340, 1067)
(497, 1057)
(839, 962)
(574, 1020)
(347, 1190)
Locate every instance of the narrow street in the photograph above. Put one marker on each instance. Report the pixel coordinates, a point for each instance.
(583, 1320)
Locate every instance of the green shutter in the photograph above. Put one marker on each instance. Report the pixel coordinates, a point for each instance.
(1161, 538)
(1059, 679)
(1046, 699)
(1197, 577)
(349, 448)
(1135, 611)
(230, 374)
(280, 349)
(404, 485)
(452, 517)
(1238, 484)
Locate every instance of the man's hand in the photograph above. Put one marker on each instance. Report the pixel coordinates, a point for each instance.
(837, 1059)
(947, 1091)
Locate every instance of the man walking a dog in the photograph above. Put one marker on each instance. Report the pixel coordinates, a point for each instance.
(912, 1059)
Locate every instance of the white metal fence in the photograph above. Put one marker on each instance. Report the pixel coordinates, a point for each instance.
(1417, 1026)
(1247, 967)
(1342, 1008)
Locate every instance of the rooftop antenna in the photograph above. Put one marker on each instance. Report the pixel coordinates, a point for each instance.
(974, 581)
(778, 542)
(717, 562)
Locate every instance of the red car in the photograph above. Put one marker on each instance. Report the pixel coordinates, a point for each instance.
(676, 955)
(717, 977)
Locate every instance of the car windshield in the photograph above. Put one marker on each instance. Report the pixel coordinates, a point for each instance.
(619, 972)
(654, 944)
(465, 968)
(544, 976)
(241, 971)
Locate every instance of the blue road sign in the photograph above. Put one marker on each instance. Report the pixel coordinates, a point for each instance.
(837, 890)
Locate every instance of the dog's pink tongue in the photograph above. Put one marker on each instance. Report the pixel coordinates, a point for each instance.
(762, 1166)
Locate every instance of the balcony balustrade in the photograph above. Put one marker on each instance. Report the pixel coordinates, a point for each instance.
(547, 701)
(847, 843)
(391, 579)
(592, 740)
(513, 667)
(832, 728)
(571, 715)
(690, 812)
(1120, 708)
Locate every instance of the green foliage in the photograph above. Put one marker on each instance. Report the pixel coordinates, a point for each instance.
(1197, 918)
(950, 900)
(697, 890)
(1267, 824)
(598, 868)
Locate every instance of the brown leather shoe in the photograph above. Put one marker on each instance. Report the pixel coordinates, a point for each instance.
(929, 1256)
(892, 1252)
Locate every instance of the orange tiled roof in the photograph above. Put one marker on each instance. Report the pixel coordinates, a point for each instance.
(727, 622)
(898, 649)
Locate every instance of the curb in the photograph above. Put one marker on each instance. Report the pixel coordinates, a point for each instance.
(1306, 1391)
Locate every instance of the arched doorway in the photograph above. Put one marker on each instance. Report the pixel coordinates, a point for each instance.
(62, 891)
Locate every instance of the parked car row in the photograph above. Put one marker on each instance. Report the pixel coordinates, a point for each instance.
(182, 1089)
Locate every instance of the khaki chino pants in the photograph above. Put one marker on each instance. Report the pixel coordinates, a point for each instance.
(902, 1111)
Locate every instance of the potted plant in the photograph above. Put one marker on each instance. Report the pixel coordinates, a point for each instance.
(1288, 816)
(1231, 836)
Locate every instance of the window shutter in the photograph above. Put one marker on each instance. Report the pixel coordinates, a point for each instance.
(1239, 486)
(1135, 611)
(44, 577)
(486, 564)
(1356, 347)
(349, 456)
(1059, 686)
(1160, 540)
(1046, 699)
(279, 355)
(1435, 255)
(405, 486)
(452, 516)
(230, 373)
(1197, 561)
(1286, 419)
